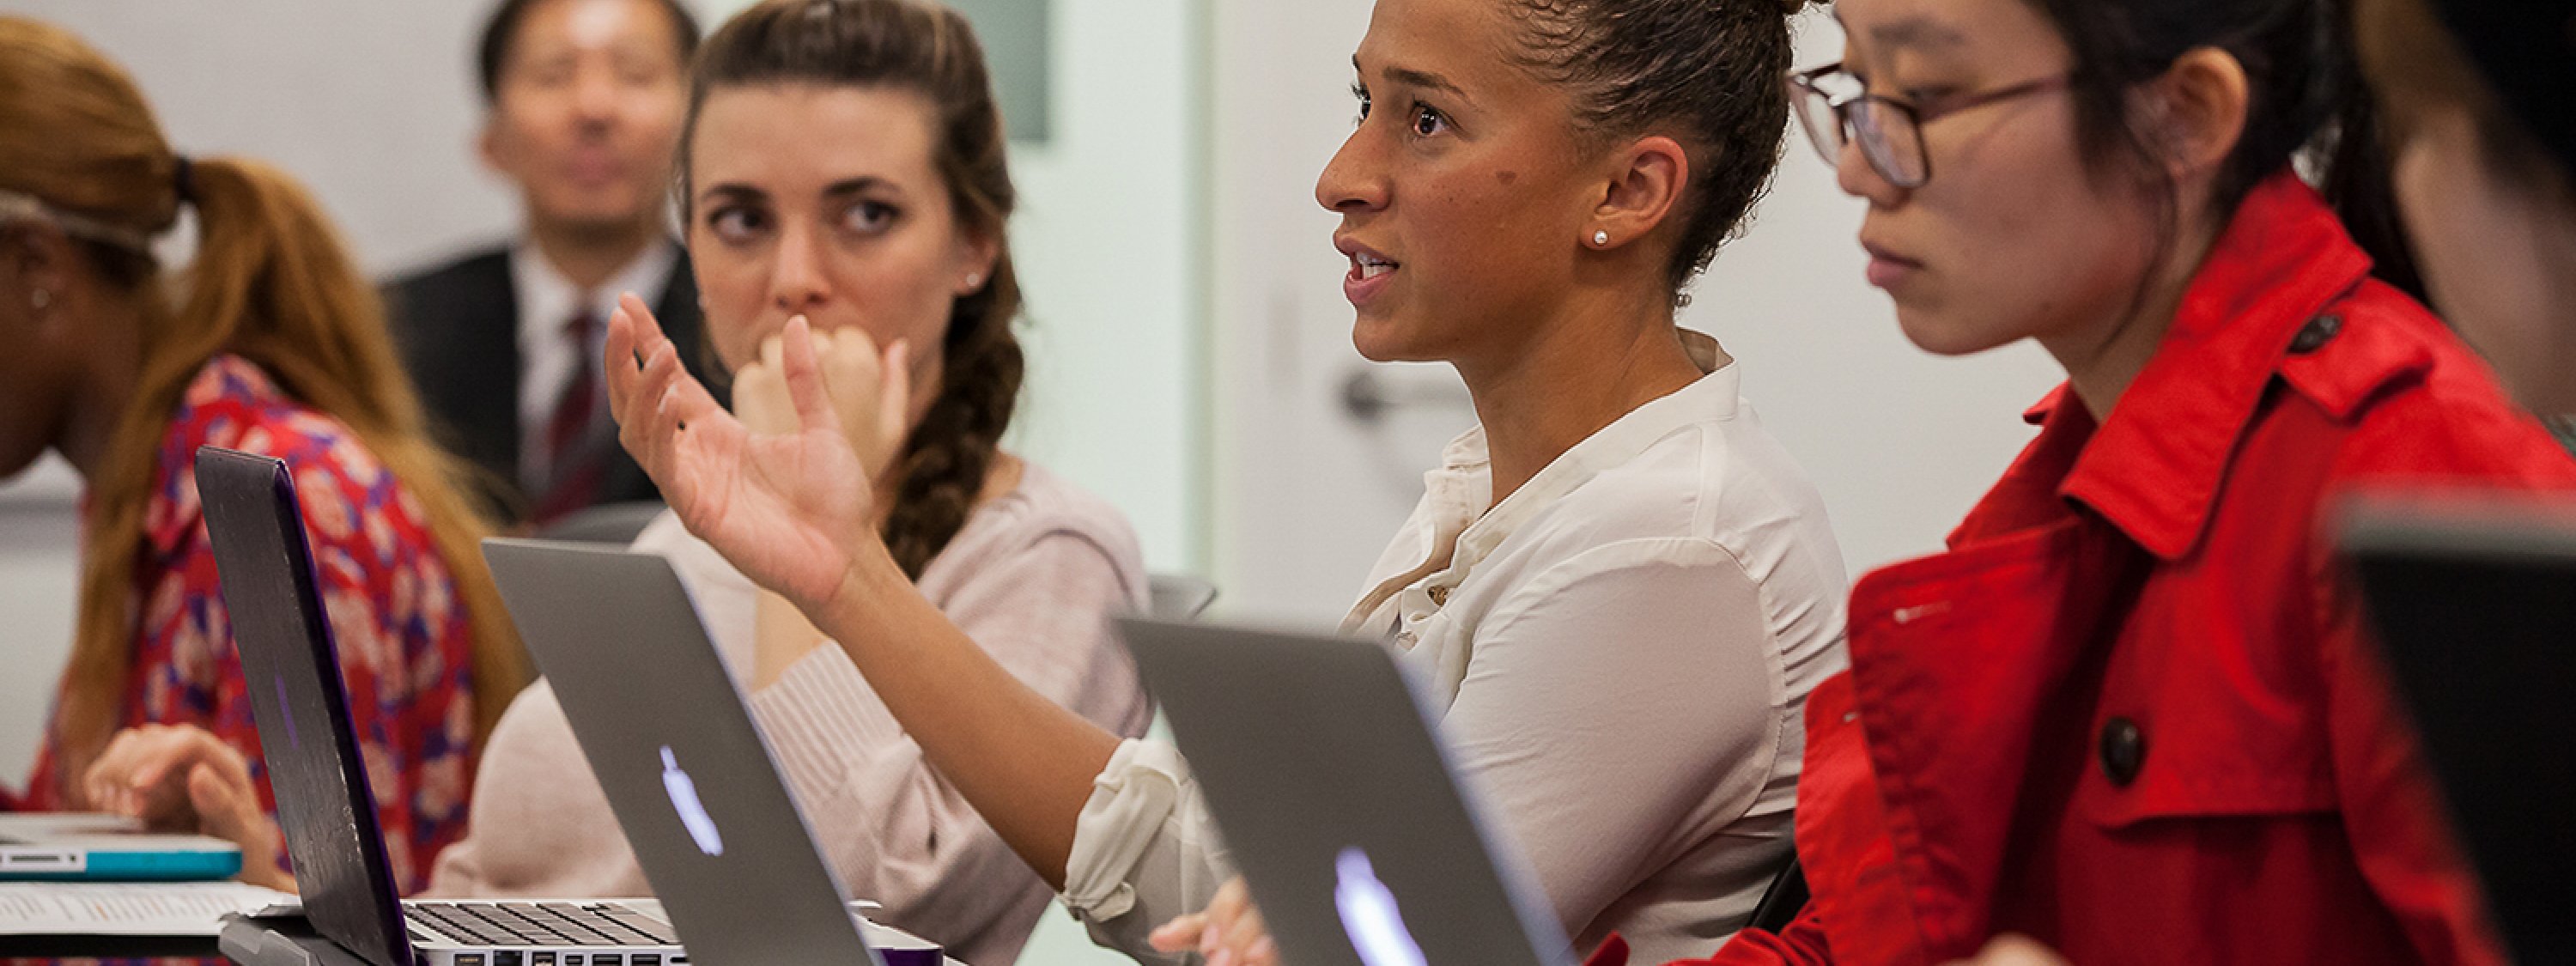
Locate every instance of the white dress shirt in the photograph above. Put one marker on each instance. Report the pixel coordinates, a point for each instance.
(1673, 575)
(547, 356)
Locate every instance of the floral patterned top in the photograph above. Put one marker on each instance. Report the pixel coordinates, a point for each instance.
(404, 639)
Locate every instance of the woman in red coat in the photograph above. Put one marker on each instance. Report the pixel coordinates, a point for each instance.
(2133, 712)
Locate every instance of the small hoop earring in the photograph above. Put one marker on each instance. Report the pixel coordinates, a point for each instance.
(1600, 238)
(43, 299)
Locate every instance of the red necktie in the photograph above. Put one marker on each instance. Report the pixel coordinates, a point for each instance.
(575, 466)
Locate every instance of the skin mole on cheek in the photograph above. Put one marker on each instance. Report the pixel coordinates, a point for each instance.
(1507, 177)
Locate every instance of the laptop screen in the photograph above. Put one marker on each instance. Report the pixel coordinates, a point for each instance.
(292, 672)
(2475, 606)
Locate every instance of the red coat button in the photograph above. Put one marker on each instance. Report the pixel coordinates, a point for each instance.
(2124, 751)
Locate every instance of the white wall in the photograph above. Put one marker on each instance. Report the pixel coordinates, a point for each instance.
(1108, 241)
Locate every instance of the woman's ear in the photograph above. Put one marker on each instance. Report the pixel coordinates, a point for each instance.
(2195, 114)
(977, 254)
(1644, 186)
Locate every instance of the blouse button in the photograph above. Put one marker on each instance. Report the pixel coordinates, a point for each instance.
(2124, 751)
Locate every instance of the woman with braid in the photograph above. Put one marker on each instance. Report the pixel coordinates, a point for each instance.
(844, 166)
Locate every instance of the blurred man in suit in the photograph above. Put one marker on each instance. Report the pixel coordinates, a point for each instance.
(584, 102)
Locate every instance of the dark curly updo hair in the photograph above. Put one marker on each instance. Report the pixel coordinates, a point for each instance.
(927, 49)
(1707, 73)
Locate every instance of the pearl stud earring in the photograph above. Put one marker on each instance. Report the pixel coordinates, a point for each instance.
(974, 280)
(1601, 238)
(42, 299)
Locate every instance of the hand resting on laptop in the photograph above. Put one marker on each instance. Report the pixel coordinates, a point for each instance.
(181, 778)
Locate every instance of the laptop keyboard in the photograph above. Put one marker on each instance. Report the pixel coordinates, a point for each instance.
(540, 924)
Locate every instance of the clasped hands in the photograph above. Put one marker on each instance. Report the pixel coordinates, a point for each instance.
(870, 392)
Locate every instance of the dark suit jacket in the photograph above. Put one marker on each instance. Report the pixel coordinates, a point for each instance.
(458, 328)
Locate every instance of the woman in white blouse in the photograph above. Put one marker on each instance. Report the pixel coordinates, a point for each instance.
(1622, 587)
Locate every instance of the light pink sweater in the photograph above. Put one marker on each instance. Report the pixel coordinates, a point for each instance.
(1032, 577)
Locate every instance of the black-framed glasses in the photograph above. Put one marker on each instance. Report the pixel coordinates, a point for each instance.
(1836, 108)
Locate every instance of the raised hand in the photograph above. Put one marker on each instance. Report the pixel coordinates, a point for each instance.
(871, 392)
(790, 510)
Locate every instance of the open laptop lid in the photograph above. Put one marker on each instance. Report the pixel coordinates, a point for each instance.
(1339, 802)
(2475, 605)
(293, 678)
(692, 782)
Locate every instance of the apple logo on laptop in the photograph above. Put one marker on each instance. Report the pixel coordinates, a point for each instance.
(684, 799)
(1369, 914)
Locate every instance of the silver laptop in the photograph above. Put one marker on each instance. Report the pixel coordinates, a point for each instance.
(324, 804)
(691, 780)
(1325, 770)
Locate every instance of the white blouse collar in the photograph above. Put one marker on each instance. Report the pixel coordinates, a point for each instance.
(1460, 524)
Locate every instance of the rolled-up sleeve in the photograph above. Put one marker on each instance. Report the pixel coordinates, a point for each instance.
(1144, 849)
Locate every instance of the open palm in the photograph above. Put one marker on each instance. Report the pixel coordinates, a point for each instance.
(791, 511)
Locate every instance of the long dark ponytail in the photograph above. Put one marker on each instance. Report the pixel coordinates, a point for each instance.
(2309, 103)
(929, 49)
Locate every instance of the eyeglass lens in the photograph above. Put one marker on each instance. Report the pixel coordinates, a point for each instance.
(1892, 140)
(1830, 107)
(1824, 127)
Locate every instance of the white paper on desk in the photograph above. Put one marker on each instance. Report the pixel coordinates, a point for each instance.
(127, 908)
